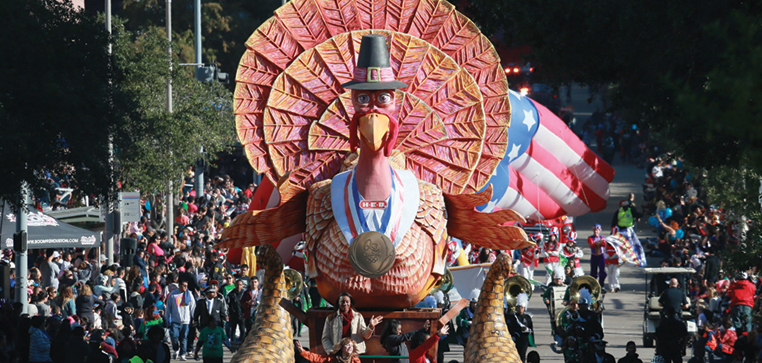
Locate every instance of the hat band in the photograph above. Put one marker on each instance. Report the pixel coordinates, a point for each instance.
(373, 74)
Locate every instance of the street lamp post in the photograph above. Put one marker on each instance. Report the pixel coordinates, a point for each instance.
(21, 249)
(199, 184)
(170, 201)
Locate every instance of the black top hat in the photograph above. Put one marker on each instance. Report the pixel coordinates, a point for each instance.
(373, 71)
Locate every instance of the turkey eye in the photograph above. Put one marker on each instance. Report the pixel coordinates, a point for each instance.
(363, 99)
(384, 98)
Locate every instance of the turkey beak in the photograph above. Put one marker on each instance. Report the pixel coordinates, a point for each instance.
(373, 128)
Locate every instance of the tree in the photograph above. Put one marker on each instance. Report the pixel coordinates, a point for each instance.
(156, 146)
(63, 99)
(685, 68)
(226, 25)
(737, 192)
(56, 108)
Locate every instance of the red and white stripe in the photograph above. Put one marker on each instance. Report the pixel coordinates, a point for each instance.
(558, 175)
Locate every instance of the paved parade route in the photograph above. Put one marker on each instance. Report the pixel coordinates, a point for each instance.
(623, 317)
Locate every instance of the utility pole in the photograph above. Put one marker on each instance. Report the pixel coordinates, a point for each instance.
(21, 248)
(110, 216)
(199, 184)
(170, 191)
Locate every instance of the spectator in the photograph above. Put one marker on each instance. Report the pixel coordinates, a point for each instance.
(78, 350)
(111, 307)
(50, 269)
(235, 311)
(126, 348)
(211, 337)
(741, 295)
(155, 349)
(128, 320)
(726, 340)
(120, 284)
(39, 343)
(151, 317)
(250, 301)
(179, 311)
(632, 356)
(85, 302)
(100, 351)
(43, 309)
(68, 307)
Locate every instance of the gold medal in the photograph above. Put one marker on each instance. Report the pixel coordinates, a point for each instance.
(372, 254)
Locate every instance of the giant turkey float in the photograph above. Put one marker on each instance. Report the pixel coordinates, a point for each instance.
(381, 124)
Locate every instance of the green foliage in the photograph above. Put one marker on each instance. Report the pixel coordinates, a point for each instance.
(55, 110)
(737, 191)
(688, 69)
(155, 145)
(226, 25)
(728, 105)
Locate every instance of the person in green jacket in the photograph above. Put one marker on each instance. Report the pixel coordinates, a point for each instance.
(465, 318)
(211, 337)
(152, 318)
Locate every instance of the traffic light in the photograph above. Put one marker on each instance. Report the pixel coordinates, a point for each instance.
(19, 241)
(210, 72)
(205, 73)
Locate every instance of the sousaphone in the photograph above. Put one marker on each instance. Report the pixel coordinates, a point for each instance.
(445, 284)
(514, 286)
(592, 285)
(294, 283)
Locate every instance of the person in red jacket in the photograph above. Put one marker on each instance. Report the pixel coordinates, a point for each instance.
(345, 351)
(721, 347)
(421, 344)
(741, 295)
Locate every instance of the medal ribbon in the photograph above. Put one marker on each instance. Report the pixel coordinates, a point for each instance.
(356, 218)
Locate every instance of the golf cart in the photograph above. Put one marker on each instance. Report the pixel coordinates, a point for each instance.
(657, 280)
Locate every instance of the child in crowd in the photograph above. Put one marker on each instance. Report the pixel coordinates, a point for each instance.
(211, 337)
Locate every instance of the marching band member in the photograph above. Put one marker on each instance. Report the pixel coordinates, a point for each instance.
(573, 253)
(551, 251)
(530, 258)
(597, 260)
(612, 265)
(520, 325)
(558, 280)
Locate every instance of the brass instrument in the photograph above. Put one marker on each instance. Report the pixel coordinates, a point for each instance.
(592, 285)
(560, 318)
(514, 286)
(445, 284)
(294, 283)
